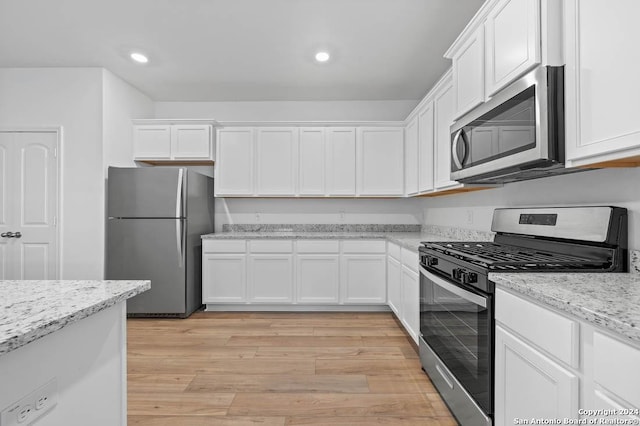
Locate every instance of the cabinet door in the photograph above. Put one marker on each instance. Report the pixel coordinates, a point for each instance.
(363, 279)
(276, 161)
(394, 286)
(443, 118)
(602, 87)
(411, 157)
(341, 161)
(380, 157)
(224, 278)
(411, 302)
(191, 142)
(512, 40)
(152, 142)
(271, 278)
(426, 134)
(234, 166)
(468, 74)
(530, 385)
(318, 278)
(311, 162)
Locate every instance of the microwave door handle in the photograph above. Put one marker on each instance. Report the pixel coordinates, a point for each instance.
(454, 149)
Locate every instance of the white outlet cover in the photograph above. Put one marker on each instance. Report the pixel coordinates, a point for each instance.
(49, 392)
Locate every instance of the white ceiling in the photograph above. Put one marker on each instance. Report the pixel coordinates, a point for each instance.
(242, 50)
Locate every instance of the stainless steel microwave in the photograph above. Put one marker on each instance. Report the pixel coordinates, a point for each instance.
(516, 135)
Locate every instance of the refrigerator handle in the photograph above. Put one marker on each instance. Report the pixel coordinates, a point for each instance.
(179, 194)
(179, 241)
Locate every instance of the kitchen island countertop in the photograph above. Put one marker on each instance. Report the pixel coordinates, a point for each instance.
(32, 309)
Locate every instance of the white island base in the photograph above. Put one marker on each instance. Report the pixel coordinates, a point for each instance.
(88, 360)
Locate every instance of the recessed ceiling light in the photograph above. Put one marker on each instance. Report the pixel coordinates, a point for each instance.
(322, 56)
(139, 58)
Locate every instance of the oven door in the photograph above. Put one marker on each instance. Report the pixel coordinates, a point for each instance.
(457, 326)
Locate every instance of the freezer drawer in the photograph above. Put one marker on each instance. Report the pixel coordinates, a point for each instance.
(149, 249)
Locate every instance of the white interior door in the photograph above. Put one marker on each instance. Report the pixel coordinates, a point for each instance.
(28, 205)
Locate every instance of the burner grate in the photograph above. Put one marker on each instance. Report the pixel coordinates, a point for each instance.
(505, 257)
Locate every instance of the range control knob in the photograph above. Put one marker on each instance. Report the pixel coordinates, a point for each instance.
(457, 273)
(432, 261)
(469, 277)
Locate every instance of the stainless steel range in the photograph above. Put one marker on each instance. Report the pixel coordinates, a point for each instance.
(456, 294)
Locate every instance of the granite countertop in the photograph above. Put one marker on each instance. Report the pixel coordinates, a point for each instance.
(32, 309)
(608, 300)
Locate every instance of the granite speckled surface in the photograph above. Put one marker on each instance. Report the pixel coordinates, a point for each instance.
(611, 301)
(30, 310)
(458, 234)
(319, 227)
(634, 266)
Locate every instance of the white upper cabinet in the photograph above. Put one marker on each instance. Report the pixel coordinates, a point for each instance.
(380, 156)
(311, 161)
(425, 148)
(152, 142)
(512, 34)
(468, 73)
(411, 157)
(602, 87)
(191, 142)
(443, 118)
(276, 165)
(164, 141)
(341, 161)
(234, 175)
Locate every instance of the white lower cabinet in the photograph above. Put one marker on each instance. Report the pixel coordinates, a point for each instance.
(550, 365)
(270, 278)
(318, 278)
(394, 286)
(224, 278)
(411, 302)
(529, 384)
(363, 279)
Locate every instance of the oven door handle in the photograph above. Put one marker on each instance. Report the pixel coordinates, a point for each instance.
(452, 288)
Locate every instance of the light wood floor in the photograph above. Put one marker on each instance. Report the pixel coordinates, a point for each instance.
(233, 369)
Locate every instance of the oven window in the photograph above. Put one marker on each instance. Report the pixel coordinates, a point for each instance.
(505, 130)
(460, 333)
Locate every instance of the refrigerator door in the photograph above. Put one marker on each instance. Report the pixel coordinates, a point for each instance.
(146, 192)
(149, 249)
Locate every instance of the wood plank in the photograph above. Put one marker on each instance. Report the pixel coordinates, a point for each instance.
(284, 353)
(169, 351)
(358, 331)
(293, 341)
(330, 404)
(279, 383)
(149, 383)
(369, 367)
(177, 403)
(400, 383)
(204, 421)
(372, 420)
(154, 365)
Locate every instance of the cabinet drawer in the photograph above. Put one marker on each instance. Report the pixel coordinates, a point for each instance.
(224, 246)
(364, 246)
(550, 331)
(393, 250)
(317, 246)
(271, 246)
(410, 259)
(615, 367)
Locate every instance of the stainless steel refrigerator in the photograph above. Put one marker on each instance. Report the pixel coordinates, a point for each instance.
(156, 216)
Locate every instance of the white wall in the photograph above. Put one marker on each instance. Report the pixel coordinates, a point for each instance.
(122, 102)
(333, 211)
(70, 98)
(288, 111)
(616, 187)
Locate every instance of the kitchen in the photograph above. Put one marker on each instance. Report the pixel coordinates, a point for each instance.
(99, 106)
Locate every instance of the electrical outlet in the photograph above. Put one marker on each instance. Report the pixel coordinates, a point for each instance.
(469, 217)
(31, 407)
(342, 215)
(257, 216)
